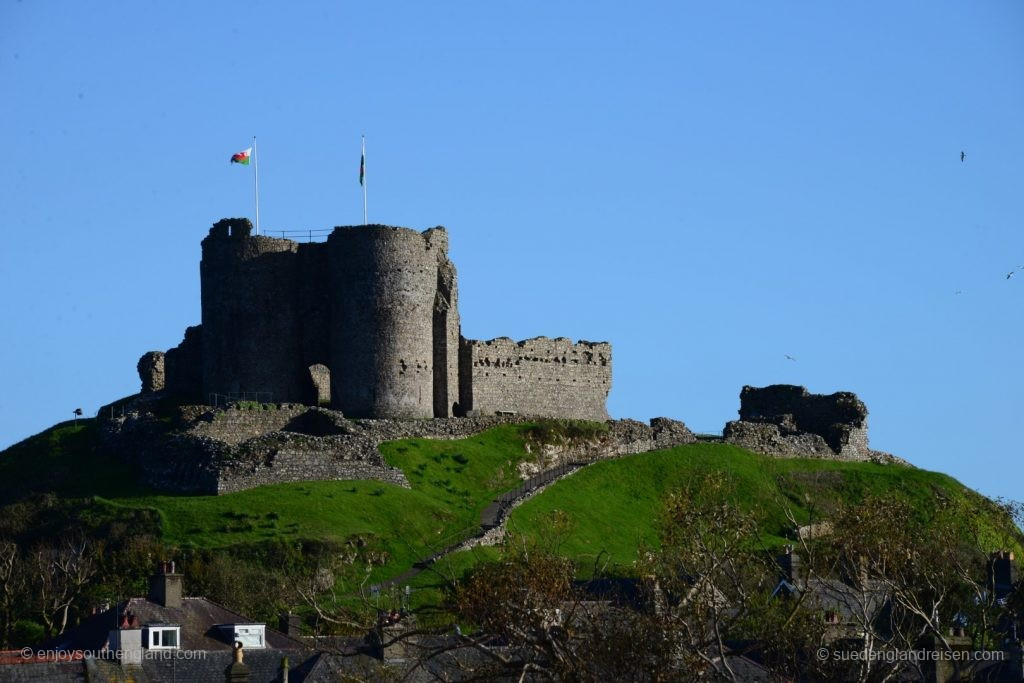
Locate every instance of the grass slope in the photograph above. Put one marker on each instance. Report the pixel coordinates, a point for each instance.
(65, 459)
(613, 507)
(452, 481)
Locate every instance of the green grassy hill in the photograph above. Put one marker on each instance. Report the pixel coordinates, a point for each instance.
(60, 479)
(614, 506)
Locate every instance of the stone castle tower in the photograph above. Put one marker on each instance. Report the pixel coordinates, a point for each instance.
(368, 323)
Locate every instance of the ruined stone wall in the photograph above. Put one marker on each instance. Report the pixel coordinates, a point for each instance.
(291, 466)
(446, 328)
(236, 425)
(785, 419)
(211, 451)
(151, 371)
(535, 377)
(183, 367)
(383, 290)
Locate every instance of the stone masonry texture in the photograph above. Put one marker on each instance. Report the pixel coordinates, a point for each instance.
(204, 450)
(151, 371)
(784, 419)
(535, 377)
(367, 323)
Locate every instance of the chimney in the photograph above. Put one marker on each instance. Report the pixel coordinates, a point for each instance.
(237, 672)
(789, 564)
(165, 586)
(125, 642)
(289, 624)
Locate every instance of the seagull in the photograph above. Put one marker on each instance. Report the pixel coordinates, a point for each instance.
(789, 357)
(1009, 275)
(959, 291)
(962, 156)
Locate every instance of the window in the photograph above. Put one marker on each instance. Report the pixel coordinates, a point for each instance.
(163, 637)
(250, 636)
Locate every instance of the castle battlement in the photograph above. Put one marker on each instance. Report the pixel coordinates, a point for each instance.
(368, 318)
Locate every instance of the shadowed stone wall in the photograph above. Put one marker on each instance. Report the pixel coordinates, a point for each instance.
(151, 371)
(183, 367)
(789, 420)
(446, 328)
(251, 336)
(536, 377)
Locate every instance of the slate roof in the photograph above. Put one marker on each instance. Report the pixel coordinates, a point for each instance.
(264, 666)
(57, 672)
(196, 616)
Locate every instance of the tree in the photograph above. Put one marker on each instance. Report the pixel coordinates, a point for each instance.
(12, 582)
(61, 574)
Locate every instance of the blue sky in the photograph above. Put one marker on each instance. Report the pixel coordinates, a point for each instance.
(708, 186)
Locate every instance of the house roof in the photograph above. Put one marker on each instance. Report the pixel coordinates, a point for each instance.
(197, 617)
(57, 672)
(849, 603)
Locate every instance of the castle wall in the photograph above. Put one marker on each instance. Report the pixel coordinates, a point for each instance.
(536, 377)
(251, 340)
(782, 418)
(183, 367)
(313, 315)
(383, 282)
(371, 319)
(446, 327)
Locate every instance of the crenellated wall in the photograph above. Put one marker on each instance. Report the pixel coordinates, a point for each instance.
(535, 377)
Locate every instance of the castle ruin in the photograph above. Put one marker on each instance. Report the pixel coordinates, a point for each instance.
(788, 420)
(366, 323)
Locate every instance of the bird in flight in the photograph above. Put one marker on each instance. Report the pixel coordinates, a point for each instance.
(959, 291)
(963, 155)
(1009, 275)
(789, 357)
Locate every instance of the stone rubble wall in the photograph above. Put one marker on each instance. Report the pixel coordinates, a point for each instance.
(789, 421)
(766, 438)
(235, 425)
(624, 437)
(206, 450)
(535, 377)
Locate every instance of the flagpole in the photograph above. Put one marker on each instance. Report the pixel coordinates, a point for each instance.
(256, 180)
(362, 177)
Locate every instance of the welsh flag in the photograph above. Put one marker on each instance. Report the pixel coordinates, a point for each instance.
(242, 157)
